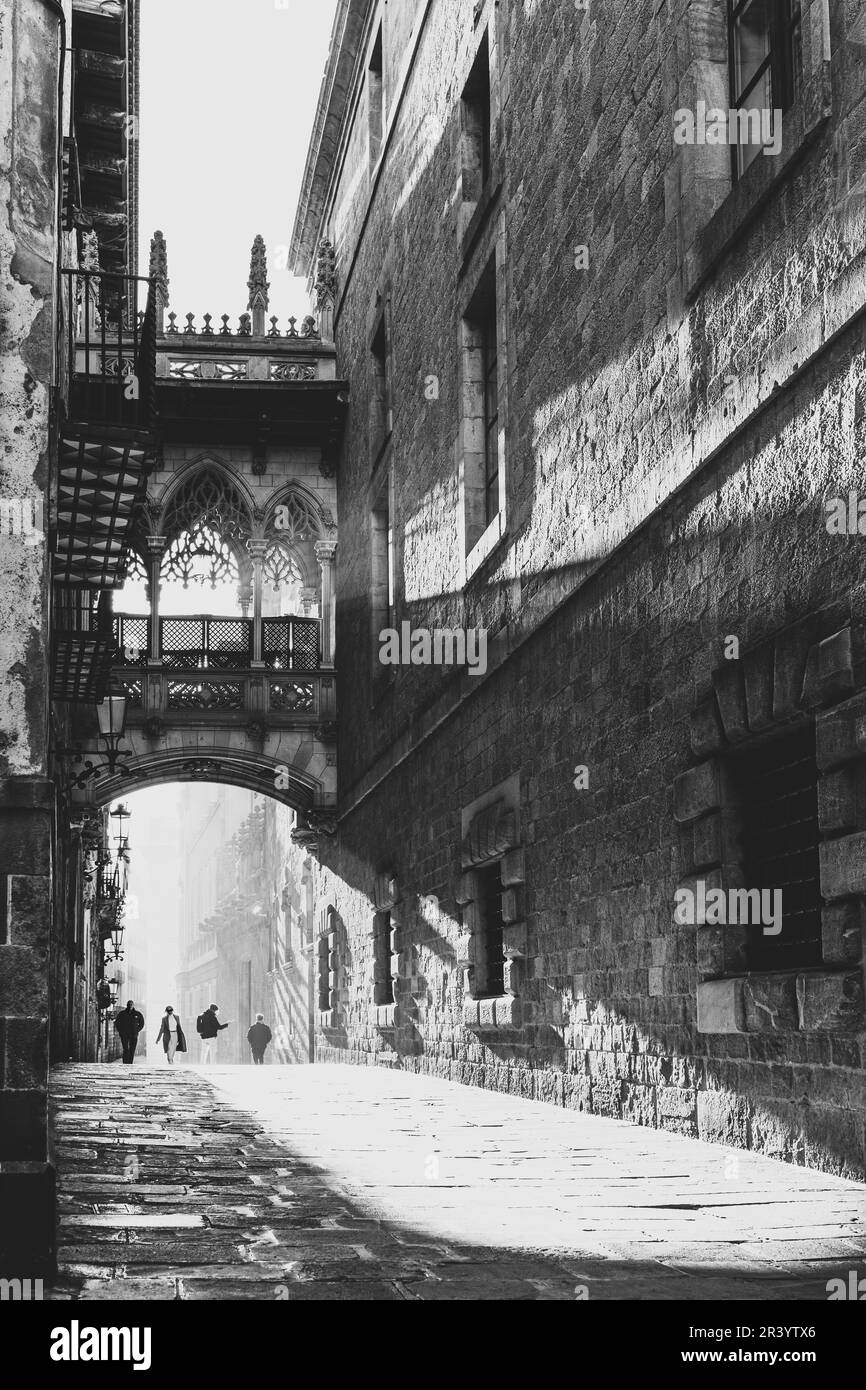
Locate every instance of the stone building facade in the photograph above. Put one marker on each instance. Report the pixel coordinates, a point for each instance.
(604, 387)
(68, 172)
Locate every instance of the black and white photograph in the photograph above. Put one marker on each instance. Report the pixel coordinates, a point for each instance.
(432, 676)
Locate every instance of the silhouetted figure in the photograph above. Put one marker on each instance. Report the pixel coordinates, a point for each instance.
(209, 1029)
(129, 1024)
(258, 1038)
(171, 1034)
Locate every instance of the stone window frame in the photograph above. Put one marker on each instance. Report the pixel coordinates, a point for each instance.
(478, 197)
(375, 89)
(386, 898)
(381, 369)
(795, 675)
(478, 538)
(492, 837)
(328, 952)
(383, 580)
(713, 208)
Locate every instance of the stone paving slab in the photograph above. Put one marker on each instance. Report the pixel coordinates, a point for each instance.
(335, 1183)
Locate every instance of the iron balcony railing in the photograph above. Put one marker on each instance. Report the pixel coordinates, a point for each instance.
(202, 643)
(111, 344)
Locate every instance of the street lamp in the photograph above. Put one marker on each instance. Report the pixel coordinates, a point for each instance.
(111, 722)
(116, 939)
(120, 814)
(111, 718)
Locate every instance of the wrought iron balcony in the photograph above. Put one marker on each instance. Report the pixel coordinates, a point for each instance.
(111, 344)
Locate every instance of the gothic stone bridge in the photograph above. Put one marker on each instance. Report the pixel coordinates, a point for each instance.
(195, 450)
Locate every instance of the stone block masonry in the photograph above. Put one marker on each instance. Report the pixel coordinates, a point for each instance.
(672, 417)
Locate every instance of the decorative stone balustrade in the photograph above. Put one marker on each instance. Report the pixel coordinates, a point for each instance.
(308, 328)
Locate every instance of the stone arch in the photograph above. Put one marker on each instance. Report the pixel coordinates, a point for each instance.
(218, 763)
(292, 548)
(206, 512)
(204, 462)
(303, 503)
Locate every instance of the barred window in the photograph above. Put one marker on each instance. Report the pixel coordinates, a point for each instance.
(383, 980)
(776, 786)
(762, 39)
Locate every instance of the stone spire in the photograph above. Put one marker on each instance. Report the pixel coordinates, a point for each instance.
(258, 286)
(158, 271)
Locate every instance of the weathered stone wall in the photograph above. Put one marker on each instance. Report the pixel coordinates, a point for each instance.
(676, 415)
(29, 81)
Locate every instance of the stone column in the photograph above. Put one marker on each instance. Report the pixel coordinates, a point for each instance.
(257, 554)
(325, 553)
(155, 550)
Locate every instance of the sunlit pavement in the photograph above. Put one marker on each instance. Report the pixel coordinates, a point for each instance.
(365, 1183)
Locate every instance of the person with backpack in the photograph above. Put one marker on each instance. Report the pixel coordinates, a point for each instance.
(258, 1038)
(209, 1028)
(171, 1035)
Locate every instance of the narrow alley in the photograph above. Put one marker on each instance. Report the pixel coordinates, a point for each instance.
(329, 1182)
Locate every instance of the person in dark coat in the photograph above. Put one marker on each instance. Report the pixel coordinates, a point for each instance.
(129, 1024)
(258, 1038)
(171, 1035)
(209, 1029)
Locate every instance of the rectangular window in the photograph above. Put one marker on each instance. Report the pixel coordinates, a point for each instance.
(475, 111)
(489, 972)
(375, 99)
(776, 786)
(383, 980)
(324, 973)
(490, 356)
(762, 41)
(480, 396)
(382, 576)
(381, 417)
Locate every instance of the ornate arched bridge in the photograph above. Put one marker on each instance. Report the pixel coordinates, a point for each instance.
(199, 461)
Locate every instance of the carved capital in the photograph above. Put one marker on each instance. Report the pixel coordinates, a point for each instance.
(155, 546)
(325, 553)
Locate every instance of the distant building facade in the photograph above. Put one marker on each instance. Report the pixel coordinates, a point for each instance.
(246, 914)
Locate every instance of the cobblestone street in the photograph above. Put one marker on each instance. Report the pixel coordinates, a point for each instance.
(346, 1183)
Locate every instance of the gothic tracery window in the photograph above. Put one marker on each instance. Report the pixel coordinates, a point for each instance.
(208, 529)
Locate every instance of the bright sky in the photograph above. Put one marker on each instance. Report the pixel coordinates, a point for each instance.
(228, 98)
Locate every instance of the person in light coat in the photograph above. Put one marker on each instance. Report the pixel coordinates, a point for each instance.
(171, 1035)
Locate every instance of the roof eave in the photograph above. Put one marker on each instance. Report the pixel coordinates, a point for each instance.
(334, 95)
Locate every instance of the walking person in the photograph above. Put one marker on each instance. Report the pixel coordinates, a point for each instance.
(171, 1034)
(258, 1038)
(209, 1028)
(129, 1024)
